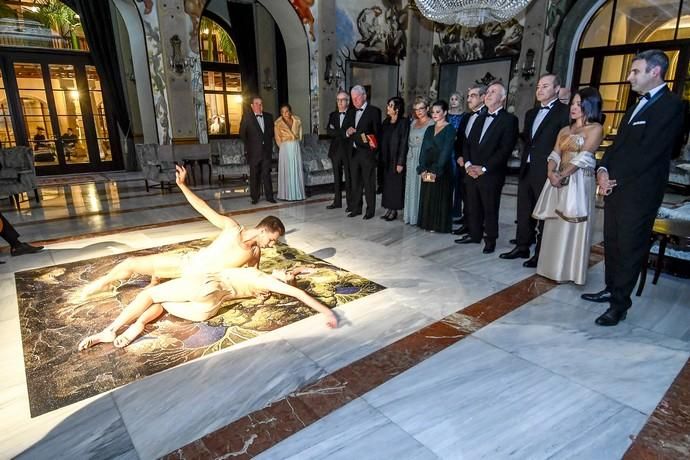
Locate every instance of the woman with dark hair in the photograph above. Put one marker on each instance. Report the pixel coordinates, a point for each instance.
(394, 132)
(288, 134)
(566, 203)
(436, 193)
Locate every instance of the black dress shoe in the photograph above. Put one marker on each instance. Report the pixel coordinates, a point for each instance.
(611, 317)
(354, 214)
(599, 297)
(489, 248)
(271, 200)
(2, 262)
(516, 253)
(461, 230)
(531, 262)
(466, 240)
(24, 248)
(254, 201)
(386, 215)
(334, 206)
(392, 216)
(348, 209)
(459, 220)
(368, 216)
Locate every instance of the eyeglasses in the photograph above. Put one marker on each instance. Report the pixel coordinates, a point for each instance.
(340, 99)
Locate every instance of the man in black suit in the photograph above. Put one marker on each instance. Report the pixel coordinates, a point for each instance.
(490, 143)
(475, 104)
(9, 234)
(340, 151)
(256, 131)
(542, 125)
(632, 177)
(360, 124)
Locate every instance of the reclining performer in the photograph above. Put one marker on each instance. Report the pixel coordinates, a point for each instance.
(198, 297)
(234, 247)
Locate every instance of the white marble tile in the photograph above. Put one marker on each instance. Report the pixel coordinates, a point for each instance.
(475, 401)
(353, 431)
(631, 365)
(173, 408)
(8, 297)
(91, 429)
(11, 353)
(366, 325)
(26, 262)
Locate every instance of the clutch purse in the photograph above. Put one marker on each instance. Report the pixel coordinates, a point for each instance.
(371, 140)
(565, 181)
(428, 177)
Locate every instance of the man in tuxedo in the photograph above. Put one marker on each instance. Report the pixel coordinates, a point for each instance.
(340, 151)
(360, 124)
(542, 125)
(475, 104)
(9, 234)
(632, 177)
(256, 131)
(490, 143)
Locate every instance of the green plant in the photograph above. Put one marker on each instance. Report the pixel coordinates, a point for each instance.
(224, 43)
(58, 17)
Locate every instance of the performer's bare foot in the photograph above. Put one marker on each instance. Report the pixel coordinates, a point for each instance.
(129, 335)
(94, 287)
(154, 281)
(105, 336)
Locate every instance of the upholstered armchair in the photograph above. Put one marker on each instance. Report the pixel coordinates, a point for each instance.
(154, 168)
(228, 158)
(318, 168)
(17, 172)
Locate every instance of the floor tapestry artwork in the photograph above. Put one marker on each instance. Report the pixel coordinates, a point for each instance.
(54, 317)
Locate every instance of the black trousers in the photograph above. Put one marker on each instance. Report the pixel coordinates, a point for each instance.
(260, 174)
(363, 172)
(529, 189)
(483, 201)
(8, 232)
(341, 165)
(627, 233)
(459, 191)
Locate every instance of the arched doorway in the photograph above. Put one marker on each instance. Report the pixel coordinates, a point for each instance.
(618, 30)
(222, 76)
(50, 92)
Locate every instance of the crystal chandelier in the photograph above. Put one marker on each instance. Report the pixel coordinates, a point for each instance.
(470, 13)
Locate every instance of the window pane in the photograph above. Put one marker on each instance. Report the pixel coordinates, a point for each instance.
(616, 68)
(104, 149)
(28, 76)
(73, 139)
(639, 21)
(62, 76)
(215, 43)
(94, 82)
(213, 81)
(612, 122)
(215, 114)
(233, 82)
(597, 33)
(684, 25)
(6, 130)
(586, 72)
(235, 109)
(615, 97)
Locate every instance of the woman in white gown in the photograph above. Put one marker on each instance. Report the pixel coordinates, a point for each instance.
(288, 134)
(566, 203)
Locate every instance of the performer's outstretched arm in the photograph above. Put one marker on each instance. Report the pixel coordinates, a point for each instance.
(220, 221)
(272, 284)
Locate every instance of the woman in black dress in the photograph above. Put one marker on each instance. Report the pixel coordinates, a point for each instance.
(394, 133)
(436, 194)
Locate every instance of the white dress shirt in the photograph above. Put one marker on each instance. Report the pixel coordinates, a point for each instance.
(471, 121)
(643, 100)
(543, 112)
(260, 120)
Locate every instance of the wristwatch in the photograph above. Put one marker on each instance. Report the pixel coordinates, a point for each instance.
(483, 169)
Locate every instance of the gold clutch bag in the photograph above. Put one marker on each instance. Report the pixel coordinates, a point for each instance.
(428, 177)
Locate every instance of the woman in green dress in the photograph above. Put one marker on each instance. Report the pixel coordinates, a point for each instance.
(436, 194)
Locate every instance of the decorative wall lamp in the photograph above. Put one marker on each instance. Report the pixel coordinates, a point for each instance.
(329, 77)
(179, 64)
(528, 66)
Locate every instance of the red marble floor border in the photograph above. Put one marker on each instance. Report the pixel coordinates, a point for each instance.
(171, 223)
(262, 429)
(666, 435)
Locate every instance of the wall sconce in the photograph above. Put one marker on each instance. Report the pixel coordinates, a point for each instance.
(528, 66)
(268, 80)
(178, 64)
(328, 76)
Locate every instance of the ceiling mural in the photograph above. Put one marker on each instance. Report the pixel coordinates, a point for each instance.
(456, 43)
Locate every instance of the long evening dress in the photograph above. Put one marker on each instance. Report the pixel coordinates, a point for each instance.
(412, 180)
(290, 174)
(568, 213)
(436, 198)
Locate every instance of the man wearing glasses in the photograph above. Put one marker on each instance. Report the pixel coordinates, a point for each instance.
(340, 152)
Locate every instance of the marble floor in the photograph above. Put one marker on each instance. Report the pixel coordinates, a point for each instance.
(462, 356)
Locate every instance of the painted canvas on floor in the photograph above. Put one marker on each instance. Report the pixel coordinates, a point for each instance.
(54, 318)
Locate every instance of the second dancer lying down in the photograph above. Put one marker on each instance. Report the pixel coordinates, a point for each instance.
(198, 298)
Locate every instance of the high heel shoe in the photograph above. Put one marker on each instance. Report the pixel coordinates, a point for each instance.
(386, 215)
(393, 216)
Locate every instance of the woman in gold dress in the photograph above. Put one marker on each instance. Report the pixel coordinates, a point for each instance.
(566, 203)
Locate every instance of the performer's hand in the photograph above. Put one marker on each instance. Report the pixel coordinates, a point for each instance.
(331, 320)
(180, 174)
(399, 168)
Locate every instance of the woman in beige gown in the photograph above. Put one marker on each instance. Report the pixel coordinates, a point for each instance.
(288, 134)
(566, 203)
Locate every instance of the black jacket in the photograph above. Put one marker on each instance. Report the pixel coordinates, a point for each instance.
(539, 147)
(393, 149)
(498, 143)
(369, 123)
(257, 144)
(340, 144)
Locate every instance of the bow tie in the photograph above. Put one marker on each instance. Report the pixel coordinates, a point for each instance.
(258, 115)
(644, 96)
(492, 115)
(360, 110)
(341, 113)
(545, 107)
